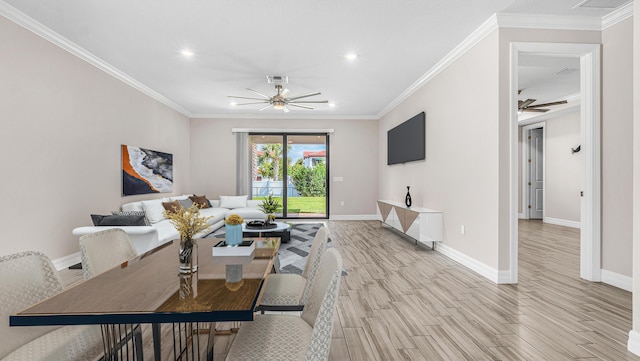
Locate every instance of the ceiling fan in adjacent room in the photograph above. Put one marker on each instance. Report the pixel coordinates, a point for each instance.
(280, 101)
(527, 105)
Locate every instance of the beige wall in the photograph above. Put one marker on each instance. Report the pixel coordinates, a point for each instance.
(353, 154)
(563, 177)
(63, 122)
(460, 173)
(617, 148)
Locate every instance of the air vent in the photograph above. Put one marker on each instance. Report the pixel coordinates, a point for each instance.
(601, 4)
(277, 79)
(565, 71)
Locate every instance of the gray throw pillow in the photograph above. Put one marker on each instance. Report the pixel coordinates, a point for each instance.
(133, 213)
(185, 203)
(111, 220)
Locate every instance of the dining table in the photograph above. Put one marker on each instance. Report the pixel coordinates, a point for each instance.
(150, 290)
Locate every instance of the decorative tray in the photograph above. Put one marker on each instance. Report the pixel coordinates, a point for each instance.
(260, 225)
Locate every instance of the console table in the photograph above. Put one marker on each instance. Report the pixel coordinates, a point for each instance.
(422, 224)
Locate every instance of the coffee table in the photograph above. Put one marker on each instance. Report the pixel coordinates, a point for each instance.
(282, 230)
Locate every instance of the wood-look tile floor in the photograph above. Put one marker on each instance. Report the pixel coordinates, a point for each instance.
(399, 302)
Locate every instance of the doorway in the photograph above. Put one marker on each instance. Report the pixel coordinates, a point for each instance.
(535, 179)
(293, 169)
(589, 56)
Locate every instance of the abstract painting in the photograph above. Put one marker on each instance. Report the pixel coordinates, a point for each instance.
(146, 171)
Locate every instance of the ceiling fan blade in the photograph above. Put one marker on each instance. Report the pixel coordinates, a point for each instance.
(311, 101)
(535, 110)
(526, 103)
(253, 91)
(268, 106)
(548, 104)
(300, 106)
(284, 109)
(285, 92)
(252, 103)
(233, 96)
(304, 96)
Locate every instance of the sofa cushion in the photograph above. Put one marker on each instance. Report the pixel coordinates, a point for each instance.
(111, 220)
(166, 231)
(247, 213)
(202, 201)
(217, 214)
(186, 203)
(132, 206)
(172, 207)
(154, 209)
(233, 201)
(180, 198)
(133, 213)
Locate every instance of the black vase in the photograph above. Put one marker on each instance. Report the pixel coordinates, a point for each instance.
(407, 198)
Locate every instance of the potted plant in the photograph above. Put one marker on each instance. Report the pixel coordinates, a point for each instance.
(269, 206)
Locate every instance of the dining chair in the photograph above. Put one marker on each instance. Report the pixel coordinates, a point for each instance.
(289, 292)
(100, 252)
(27, 278)
(104, 250)
(289, 337)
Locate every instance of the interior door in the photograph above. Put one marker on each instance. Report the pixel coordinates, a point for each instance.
(536, 173)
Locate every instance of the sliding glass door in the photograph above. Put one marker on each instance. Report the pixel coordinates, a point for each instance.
(293, 168)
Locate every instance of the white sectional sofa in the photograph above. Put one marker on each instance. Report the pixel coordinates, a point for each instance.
(162, 231)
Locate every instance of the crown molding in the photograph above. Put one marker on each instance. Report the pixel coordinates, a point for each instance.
(284, 116)
(618, 15)
(469, 42)
(44, 32)
(506, 20)
(553, 22)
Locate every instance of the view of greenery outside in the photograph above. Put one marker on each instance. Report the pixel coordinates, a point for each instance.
(304, 204)
(310, 182)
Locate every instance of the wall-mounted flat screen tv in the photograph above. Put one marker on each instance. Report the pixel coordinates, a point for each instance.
(406, 142)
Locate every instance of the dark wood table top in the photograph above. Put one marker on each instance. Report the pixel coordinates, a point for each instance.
(146, 290)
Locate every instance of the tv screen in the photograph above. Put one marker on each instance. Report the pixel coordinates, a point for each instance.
(406, 142)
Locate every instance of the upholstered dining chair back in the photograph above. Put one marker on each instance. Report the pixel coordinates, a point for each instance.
(26, 278)
(104, 250)
(318, 248)
(319, 310)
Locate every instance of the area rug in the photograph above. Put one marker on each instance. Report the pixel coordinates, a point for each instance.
(292, 255)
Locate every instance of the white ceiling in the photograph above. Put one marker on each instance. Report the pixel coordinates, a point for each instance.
(237, 43)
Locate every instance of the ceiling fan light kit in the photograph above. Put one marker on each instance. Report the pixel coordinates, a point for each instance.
(280, 101)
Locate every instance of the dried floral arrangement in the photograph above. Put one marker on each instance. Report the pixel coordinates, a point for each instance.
(188, 222)
(234, 219)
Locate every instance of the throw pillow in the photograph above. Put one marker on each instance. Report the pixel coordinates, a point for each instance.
(172, 207)
(111, 220)
(233, 201)
(132, 213)
(201, 201)
(154, 210)
(186, 203)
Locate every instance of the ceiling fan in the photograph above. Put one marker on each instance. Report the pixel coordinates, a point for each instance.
(280, 100)
(526, 105)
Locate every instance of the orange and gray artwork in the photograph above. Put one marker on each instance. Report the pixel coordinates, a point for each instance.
(146, 171)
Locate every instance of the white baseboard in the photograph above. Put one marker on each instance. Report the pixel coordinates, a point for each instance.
(355, 217)
(633, 345)
(617, 280)
(473, 264)
(562, 222)
(66, 261)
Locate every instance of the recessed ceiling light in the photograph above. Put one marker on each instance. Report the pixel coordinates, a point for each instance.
(233, 104)
(351, 56)
(332, 105)
(186, 52)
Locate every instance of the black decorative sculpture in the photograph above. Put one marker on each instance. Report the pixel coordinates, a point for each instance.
(407, 198)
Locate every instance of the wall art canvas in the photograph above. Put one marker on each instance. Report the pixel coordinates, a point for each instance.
(146, 171)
